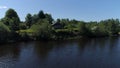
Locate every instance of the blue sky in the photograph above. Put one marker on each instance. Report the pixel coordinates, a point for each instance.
(86, 10)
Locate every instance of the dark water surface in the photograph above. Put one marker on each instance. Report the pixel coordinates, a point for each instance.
(84, 53)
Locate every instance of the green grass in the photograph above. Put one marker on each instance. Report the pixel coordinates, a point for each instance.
(65, 30)
(27, 31)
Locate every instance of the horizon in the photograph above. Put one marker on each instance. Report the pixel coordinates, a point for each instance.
(83, 10)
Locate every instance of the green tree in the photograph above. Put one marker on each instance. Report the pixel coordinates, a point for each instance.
(111, 26)
(4, 33)
(65, 22)
(23, 26)
(42, 29)
(49, 18)
(102, 29)
(11, 19)
(41, 15)
(28, 20)
(35, 18)
(83, 30)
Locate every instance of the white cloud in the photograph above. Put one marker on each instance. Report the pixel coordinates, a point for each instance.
(3, 7)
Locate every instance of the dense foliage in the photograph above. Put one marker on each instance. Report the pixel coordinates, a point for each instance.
(11, 19)
(42, 26)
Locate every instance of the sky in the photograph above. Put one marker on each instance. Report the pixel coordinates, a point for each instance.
(84, 10)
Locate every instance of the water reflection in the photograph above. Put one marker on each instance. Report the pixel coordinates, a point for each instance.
(12, 51)
(9, 54)
(83, 53)
(42, 49)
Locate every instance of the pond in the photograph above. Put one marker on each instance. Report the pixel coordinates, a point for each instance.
(83, 53)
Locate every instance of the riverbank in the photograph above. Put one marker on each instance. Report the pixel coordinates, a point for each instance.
(58, 39)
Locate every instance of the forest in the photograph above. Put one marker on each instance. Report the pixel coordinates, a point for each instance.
(42, 26)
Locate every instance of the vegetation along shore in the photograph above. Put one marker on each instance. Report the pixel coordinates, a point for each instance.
(42, 26)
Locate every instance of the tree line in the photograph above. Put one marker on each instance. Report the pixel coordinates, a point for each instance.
(42, 26)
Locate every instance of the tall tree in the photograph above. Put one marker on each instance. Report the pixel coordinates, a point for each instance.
(11, 19)
(42, 29)
(28, 20)
(49, 18)
(41, 15)
(83, 31)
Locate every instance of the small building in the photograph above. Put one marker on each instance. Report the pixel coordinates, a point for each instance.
(57, 25)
